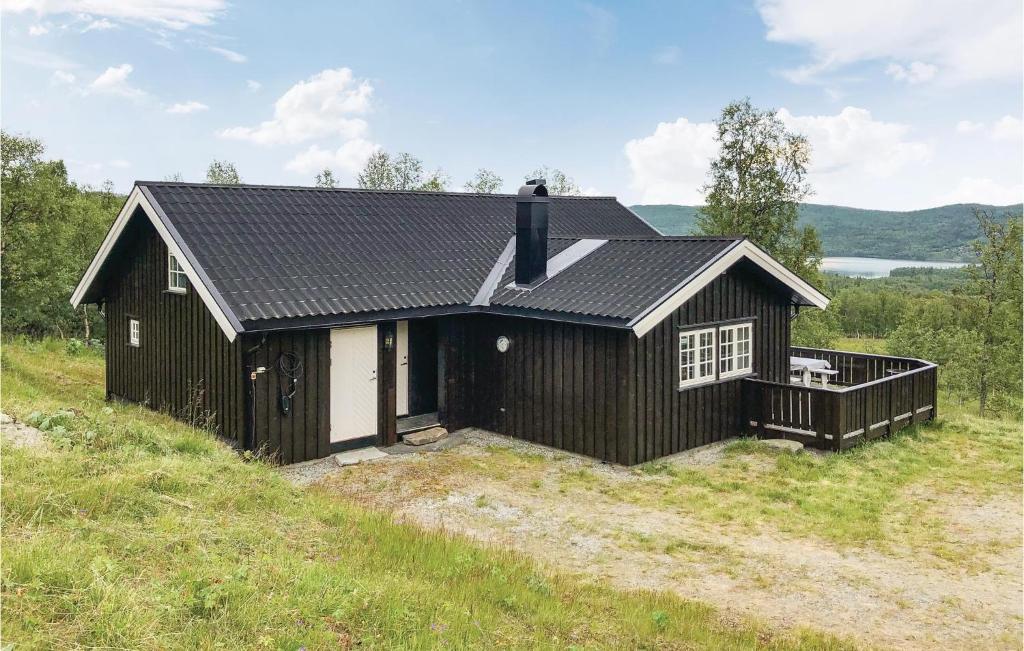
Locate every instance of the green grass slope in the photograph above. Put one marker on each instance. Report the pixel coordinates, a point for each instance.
(133, 531)
(942, 233)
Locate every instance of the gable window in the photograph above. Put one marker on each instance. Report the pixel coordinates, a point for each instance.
(696, 356)
(734, 350)
(176, 280)
(133, 332)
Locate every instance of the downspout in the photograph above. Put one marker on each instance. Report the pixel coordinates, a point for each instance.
(249, 373)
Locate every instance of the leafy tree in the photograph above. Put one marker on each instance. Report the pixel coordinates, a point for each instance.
(325, 179)
(223, 172)
(756, 184)
(996, 280)
(51, 229)
(815, 329)
(484, 182)
(400, 172)
(555, 180)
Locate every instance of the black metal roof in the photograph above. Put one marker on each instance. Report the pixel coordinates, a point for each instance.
(285, 253)
(618, 280)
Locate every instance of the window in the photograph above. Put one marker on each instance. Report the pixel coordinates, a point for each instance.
(714, 353)
(696, 356)
(133, 332)
(176, 279)
(734, 350)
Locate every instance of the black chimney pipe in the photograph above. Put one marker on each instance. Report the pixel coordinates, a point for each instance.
(532, 233)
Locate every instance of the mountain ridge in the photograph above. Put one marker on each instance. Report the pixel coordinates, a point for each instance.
(943, 233)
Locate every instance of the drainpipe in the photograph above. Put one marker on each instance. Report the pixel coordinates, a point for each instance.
(249, 373)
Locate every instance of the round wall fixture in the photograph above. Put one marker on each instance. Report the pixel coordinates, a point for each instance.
(502, 343)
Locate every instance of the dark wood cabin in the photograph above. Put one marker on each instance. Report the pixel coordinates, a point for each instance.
(303, 321)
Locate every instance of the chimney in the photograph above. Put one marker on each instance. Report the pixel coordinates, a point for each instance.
(531, 233)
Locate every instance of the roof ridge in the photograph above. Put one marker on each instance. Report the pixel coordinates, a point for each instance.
(659, 238)
(234, 186)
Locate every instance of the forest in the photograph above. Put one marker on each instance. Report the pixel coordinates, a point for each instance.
(942, 233)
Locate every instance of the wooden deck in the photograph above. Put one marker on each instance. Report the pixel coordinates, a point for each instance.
(873, 395)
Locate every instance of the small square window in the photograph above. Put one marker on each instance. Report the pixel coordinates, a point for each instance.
(133, 332)
(176, 280)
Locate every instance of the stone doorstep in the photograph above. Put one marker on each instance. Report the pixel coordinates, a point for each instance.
(784, 444)
(352, 457)
(423, 437)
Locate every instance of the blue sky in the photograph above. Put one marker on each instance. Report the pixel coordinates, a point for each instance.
(907, 103)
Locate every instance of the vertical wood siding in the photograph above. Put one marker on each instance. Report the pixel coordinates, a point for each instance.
(184, 363)
(672, 420)
(559, 384)
(601, 391)
(305, 432)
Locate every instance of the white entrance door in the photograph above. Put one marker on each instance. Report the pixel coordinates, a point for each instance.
(402, 381)
(353, 383)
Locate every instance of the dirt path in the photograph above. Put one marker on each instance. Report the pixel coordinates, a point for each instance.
(899, 599)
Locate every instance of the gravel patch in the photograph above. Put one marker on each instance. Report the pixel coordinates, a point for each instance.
(539, 502)
(21, 435)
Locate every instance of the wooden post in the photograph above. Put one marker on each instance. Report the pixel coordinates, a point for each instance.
(819, 413)
(913, 398)
(893, 379)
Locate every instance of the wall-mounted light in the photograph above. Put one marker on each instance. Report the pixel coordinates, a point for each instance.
(389, 342)
(502, 344)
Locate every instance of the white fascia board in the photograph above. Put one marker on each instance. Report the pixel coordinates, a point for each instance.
(135, 200)
(654, 315)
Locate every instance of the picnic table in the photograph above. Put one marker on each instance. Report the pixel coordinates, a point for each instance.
(808, 367)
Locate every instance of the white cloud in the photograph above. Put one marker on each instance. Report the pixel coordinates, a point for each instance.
(670, 165)
(983, 190)
(915, 73)
(230, 55)
(668, 55)
(191, 106)
(319, 107)
(963, 41)
(967, 126)
(1008, 128)
(173, 14)
(114, 81)
(854, 142)
(38, 30)
(253, 85)
(98, 25)
(851, 155)
(350, 157)
(62, 77)
(119, 163)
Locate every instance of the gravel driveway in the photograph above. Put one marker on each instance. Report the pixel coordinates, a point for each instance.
(566, 511)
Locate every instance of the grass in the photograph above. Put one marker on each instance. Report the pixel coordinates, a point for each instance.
(879, 493)
(132, 530)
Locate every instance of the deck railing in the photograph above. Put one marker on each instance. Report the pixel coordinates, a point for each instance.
(874, 395)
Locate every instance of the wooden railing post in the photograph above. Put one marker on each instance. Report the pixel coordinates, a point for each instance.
(893, 381)
(839, 422)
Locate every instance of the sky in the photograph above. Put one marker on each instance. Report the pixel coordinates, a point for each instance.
(907, 104)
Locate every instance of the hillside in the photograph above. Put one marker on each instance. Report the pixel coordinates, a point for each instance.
(941, 233)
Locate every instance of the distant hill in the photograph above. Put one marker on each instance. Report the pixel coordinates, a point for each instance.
(942, 233)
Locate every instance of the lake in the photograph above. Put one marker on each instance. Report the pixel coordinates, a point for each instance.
(877, 267)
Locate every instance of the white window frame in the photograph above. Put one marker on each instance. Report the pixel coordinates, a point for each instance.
(698, 365)
(735, 351)
(177, 281)
(134, 332)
